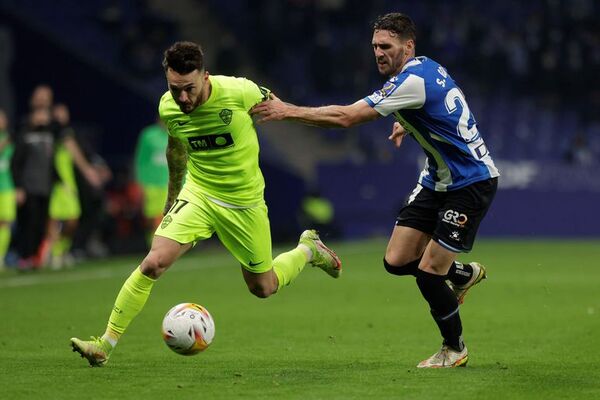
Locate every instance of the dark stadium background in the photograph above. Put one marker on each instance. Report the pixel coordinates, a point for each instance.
(529, 71)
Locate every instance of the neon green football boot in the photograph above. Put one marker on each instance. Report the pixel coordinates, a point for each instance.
(96, 351)
(323, 256)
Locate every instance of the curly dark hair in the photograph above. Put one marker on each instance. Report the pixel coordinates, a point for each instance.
(184, 57)
(401, 24)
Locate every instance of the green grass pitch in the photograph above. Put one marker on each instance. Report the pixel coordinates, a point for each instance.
(532, 329)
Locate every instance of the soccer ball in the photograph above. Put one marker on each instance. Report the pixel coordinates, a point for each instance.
(188, 329)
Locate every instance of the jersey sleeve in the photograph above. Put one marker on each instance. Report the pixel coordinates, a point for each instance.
(254, 94)
(163, 112)
(400, 92)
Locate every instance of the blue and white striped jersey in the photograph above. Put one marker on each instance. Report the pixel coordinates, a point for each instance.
(426, 101)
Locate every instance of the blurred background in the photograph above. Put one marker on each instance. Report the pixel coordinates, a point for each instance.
(529, 71)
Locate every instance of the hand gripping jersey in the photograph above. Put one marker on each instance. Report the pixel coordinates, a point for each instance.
(426, 101)
(221, 141)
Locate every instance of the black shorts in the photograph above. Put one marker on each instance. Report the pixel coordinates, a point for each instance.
(451, 218)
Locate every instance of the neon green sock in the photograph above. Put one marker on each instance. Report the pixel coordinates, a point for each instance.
(4, 241)
(129, 303)
(61, 246)
(287, 266)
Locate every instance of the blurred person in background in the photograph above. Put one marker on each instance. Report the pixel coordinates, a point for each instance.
(64, 200)
(212, 138)
(152, 174)
(454, 191)
(34, 174)
(8, 205)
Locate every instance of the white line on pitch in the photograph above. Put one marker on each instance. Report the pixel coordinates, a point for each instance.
(183, 265)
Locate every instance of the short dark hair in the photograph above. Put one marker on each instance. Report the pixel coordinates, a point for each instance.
(401, 24)
(184, 57)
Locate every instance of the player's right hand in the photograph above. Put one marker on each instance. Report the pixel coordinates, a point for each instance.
(398, 133)
(270, 110)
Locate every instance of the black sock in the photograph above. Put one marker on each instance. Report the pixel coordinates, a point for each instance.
(444, 307)
(459, 273)
(407, 269)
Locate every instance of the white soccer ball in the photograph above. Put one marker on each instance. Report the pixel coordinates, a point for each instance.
(188, 329)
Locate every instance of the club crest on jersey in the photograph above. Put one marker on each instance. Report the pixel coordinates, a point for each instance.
(226, 115)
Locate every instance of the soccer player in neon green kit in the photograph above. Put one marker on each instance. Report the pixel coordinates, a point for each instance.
(212, 134)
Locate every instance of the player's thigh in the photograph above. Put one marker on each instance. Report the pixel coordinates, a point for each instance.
(405, 245)
(415, 224)
(246, 233)
(461, 213)
(189, 220)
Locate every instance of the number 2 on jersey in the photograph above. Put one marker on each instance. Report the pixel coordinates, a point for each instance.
(454, 97)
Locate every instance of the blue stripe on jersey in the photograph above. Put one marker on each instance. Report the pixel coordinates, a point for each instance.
(444, 126)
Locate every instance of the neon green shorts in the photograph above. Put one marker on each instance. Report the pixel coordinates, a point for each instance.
(154, 200)
(8, 206)
(245, 232)
(64, 203)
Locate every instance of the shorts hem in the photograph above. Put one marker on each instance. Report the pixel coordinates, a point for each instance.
(449, 247)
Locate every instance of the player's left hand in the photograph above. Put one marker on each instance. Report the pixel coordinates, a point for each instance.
(398, 133)
(270, 110)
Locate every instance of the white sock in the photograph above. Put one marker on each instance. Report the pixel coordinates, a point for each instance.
(307, 251)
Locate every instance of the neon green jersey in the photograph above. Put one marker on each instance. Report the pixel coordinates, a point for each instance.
(150, 160)
(6, 182)
(221, 140)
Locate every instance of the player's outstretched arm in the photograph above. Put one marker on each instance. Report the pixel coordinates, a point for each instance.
(176, 160)
(81, 162)
(333, 116)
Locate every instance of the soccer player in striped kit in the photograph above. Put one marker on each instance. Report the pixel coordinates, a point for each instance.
(455, 189)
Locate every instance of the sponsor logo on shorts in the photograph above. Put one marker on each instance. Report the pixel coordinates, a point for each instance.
(166, 221)
(455, 218)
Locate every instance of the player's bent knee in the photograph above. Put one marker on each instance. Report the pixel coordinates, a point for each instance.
(154, 265)
(261, 291)
(401, 270)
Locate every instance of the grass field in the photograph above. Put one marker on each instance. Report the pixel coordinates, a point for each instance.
(532, 329)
